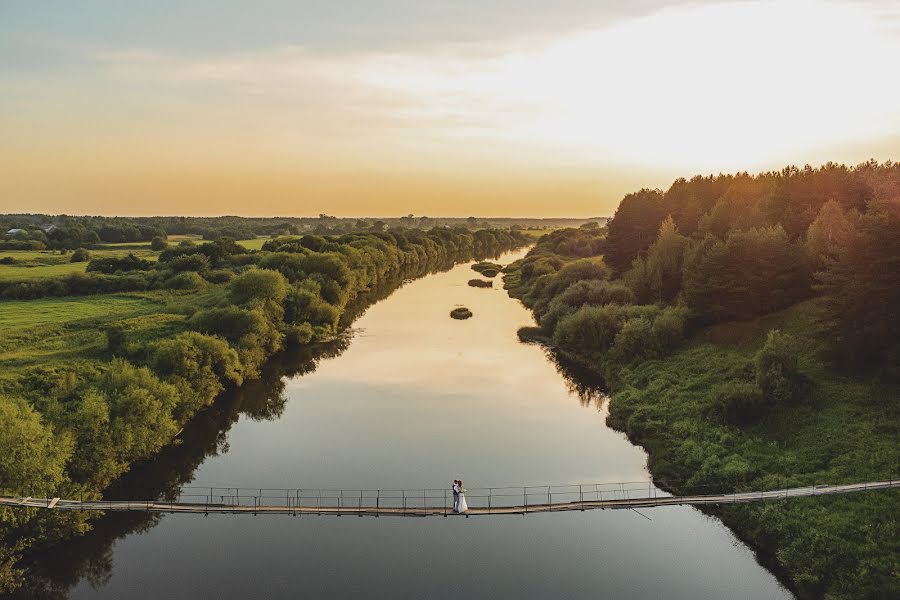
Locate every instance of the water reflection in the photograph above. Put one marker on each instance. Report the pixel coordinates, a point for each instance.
(52, 574)
(416, 400)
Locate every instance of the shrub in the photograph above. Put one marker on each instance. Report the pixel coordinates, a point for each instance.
(595, 292)
(140, 409)
(777, 373)
(116, 342)
(188, 280)
(258, 287)
(230, 322)
(7, 260)
(305, 305)
(80, 255)
(590, 330)
(112, 265)
(668, 328)
(480, 283)
(484, 265)
(634, 340)
(218, 276)
(461, 313)
(188, 262)
(158, 244)
(738, 402)
(198, 365)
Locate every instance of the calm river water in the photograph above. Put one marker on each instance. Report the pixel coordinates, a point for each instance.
(416, 400)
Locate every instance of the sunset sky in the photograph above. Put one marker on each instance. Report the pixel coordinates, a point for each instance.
(434, 107)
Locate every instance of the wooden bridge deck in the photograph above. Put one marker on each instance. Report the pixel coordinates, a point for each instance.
(293, 505)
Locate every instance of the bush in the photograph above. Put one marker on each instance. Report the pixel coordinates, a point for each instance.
(668, 328)
(480, 283)
(218, 276)
(258, 287)
(634, 340)
(80, 255)
(230, 322)
(116, 342)
(777, 373)
(140, 409)
(188, 280)
(112, 265)
(188, 262)
(738, 402)
(596, 293)
(589, 331)
(198, 365)
(461, 313)
(158, 244)
(7, 260)
(306, 306)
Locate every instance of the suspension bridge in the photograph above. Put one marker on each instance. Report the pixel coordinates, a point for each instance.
(431, 502)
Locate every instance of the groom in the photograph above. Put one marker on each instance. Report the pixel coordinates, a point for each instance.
(456, 495)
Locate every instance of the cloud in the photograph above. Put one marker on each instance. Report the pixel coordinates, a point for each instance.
(728, 85)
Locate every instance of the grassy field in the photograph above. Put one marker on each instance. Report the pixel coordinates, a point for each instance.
(55, 331)
(840, 430)
(41, 265)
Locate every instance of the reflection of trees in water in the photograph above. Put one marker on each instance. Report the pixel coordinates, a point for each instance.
(53, 573)
(586, 385)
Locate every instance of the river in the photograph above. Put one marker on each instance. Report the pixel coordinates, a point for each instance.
(416, 399)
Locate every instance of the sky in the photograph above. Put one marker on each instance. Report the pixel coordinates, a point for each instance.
(429, 107)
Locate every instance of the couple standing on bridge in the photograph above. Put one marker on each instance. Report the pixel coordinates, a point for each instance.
(459, 497)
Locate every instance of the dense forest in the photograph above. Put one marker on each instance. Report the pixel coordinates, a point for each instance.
(748, 329)
(83, 399)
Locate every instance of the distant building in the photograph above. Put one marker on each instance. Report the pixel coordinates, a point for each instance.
(49, 227)
(15, 231)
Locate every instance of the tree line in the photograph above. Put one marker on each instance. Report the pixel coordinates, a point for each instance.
(74, 426)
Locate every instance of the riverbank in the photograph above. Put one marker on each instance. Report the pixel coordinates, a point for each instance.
(114, 377)
(839, 428)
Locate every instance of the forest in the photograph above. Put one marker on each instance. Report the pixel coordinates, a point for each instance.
(747, 328)
(104, 368)
(40, 232)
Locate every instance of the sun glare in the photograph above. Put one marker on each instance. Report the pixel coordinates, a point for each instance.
(735, 85)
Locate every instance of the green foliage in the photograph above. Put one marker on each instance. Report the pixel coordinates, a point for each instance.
(113, 265)
(258, 288)
(188, 280)
(590, 330)
(861, 291)
(140, 409)
(777, 371)
(116, 341)
(198, 365)
(30, 453)
(158, 244)
(80, 255)
(738, 402)
(754, 272)
(634, 227)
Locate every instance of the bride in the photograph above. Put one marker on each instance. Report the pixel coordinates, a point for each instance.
(461, 505)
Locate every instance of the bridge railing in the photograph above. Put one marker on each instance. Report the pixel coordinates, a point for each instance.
(499, 497)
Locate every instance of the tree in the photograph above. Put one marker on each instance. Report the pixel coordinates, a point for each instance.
(861, 291)
(829, 233)
(664, 261)
(634, 227)
(158, 244)
(80, 255)
(776, 365)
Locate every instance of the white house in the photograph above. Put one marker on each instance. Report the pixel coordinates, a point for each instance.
(48, 227)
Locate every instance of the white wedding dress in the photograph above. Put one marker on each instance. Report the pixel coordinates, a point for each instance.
(461, 505)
